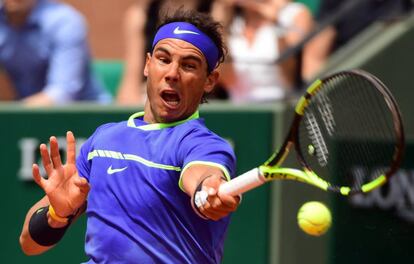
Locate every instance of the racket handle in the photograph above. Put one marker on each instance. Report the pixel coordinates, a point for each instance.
(243, 183)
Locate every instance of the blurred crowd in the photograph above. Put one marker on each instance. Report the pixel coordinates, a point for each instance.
(45, 57)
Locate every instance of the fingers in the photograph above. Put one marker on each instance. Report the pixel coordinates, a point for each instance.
(44, 153)
(54, 152)
(227, 204)
(36, 175)
(82, 184)
(214, 209)
(212, 204)
(229, 201)
(53, 159)
(71, 148)
(216, 206)
(213, 215)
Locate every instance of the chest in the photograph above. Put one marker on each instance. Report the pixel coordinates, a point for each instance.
(134, 169)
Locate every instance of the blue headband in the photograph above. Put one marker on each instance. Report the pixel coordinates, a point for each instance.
(191, 34)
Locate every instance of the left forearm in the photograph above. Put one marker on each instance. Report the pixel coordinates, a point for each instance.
(195, 174)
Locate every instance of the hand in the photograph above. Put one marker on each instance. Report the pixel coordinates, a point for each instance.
(65, 189)
(217, 205)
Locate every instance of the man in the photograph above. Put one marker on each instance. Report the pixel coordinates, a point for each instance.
(139, 29)
(44, 53)
(139, 177)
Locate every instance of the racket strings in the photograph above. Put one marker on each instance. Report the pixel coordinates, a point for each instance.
(354, 178)
(356, 128)
(373, 126)
(370, 124)
(377, 125)
(384, 118)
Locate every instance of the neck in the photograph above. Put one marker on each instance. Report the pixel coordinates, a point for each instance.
(148, 116)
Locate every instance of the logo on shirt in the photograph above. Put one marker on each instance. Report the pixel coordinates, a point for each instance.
(112, 171)
(179, 31)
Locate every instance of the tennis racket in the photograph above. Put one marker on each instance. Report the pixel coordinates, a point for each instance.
(348, 136)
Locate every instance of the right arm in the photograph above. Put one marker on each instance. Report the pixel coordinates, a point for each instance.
(130, 91)
(65, 191)
(317, 52)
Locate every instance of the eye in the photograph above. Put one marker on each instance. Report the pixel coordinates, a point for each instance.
(189, 66)
(164, 60)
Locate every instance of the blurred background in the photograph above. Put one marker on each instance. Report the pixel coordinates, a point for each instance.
(276, 48)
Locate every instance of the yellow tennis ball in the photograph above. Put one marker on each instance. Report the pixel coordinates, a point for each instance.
(314, 218)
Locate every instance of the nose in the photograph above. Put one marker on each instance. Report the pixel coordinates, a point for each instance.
(172, 74)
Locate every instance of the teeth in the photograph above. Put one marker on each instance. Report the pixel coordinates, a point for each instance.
(172, 102)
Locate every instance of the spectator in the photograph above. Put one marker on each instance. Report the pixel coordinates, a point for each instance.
(258, 32)
(139, 29)
(44, 53)
(361, 14)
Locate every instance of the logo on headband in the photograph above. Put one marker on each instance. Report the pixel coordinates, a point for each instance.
(191, 34)
(178, 31)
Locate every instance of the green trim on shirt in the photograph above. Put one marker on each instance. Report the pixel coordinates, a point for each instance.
(208, 163)
(158, 126)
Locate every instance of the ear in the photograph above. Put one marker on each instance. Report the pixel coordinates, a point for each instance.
(211, 81)
(147, 61)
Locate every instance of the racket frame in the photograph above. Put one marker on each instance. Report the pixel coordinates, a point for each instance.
(271, 169)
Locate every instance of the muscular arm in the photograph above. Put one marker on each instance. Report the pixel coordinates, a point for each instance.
(27, 244)
(65, 191)
(195, 173)
(218, 205)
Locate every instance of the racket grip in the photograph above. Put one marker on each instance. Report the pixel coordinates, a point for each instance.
(243, 183)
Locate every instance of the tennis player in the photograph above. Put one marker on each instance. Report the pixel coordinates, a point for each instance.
(135, 179)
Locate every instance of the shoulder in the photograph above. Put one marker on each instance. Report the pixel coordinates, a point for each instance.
(110, 127)
(195, 127)
(105, 129)
(51, 14)
(203, 146)
(103, 133)
(197, 133)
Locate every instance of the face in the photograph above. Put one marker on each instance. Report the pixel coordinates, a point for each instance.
(176, 81)
(18, 6)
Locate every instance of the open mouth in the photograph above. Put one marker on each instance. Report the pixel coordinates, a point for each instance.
(170, 97)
